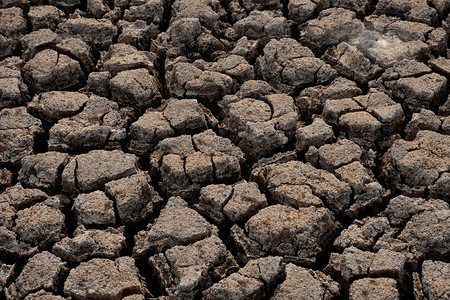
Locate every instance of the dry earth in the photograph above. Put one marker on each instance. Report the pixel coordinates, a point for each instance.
(224, 149)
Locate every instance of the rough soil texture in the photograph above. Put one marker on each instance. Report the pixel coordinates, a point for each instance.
(224, 149)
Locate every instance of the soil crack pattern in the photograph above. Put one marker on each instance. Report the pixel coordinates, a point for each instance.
(224, 149)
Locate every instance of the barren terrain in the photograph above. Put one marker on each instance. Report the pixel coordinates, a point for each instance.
(224, 149)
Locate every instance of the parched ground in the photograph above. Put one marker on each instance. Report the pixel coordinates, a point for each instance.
(224, 149)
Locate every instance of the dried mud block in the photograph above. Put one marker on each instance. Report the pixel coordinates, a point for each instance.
(186, 37)
(249, 282)
(214, 160)
(18, 133)
(352, 63)
(422, 92)
(184, 80)
(36, 41)
(185, 115)
(377, 288)
(147, 131)
(388, 263)
(43, 170)
(401, 208)
(99, 123)
(43, 271)
(176, 225)
(361, 7)
(334, 25)
(135, 199)
(135, 88)
(172, 117)
(362, 234)
(417, 11)
(99, 34)
(235, 66)
(441, 66)
(301, 283)
(101, 278)
(183, 271)
(334, 109)
(413, 166)
(12, 247)
(424, 120)
(49, 70)
(6, 272)
(208, 12)
(13, 91)
(263, 24)
(316, 134)
(43, 295)
(94, 209)
(122, 57)
(45, 16)
(137, 33)
(388, 112)
(236, 202)
(301, 185)
(96, 8)
(361, 127)
(149, 11)
(312, 99)
(298, 235)
(435, 279)
(56, 105)
(259, 126)
(427, 234)
(288, 66)
(87, 244)
(301, 11)
(98, 83)
(65, 4)
(19, 197)
(78, 175)
(78, 49)
(6, 178)
(40, 225)
(12, 26)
